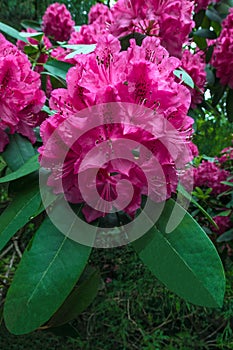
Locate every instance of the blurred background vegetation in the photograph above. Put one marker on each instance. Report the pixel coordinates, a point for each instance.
(13, 12)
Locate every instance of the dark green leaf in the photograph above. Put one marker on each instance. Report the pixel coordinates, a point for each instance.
(46, 275)
(30, 49)
(201, 42)
(31, 24)
(58, 68)
(19, 212)
(28, 167)
(198, 18)
(229, 105)
(79, 299)
(125, 40)
(18, 151)
(226, 236)
(218, 92)
(11, 32)
(185, 260)
(36, 36)
(205, 33)
(213, 15)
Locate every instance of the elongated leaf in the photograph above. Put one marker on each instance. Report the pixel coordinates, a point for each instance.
(46, 275)
(205, 33)
(11, 32)
(19, 212)
(82, 49)
(125, 40)
(184, 76)
(29, 167)
(185, 260)
(79, 299)
(229, 105)
(58, 68)
(18, 151)
(31, 24)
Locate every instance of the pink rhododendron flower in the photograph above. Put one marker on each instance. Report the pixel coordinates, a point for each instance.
(141, 76)
(194, 149)
(21, 99)
(194, 65)
(208, 174)
(57, 22)
(99, 13)
(224, 223)
(168, 19)
(222, 58)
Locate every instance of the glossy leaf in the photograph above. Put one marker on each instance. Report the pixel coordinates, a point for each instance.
(18, 151)
(184, 76)
(11, 32)
(19, 212)
(185, 260)
(31, 24)
(47, 273)
(79, 299)
(205, 33)
(58, 68)
(125, 40)
(28, 167)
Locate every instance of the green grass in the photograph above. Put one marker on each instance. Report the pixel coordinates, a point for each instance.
(134, 311)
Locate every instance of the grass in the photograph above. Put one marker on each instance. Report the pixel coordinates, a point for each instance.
(134, 311)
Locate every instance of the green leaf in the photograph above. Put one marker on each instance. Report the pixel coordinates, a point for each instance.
(47, 273)
(36, 36)
(218, 92)
(229, 105)
(31, 24)
(184, 193)
(18, 151)
(201, 42)
(228, 183)
(185, 260)
(28, 167)
(125, 40)
(82, 49)
(226, 236)
(79, 299)
(19, 212)
(30, 49)
(58, 68)
(205, 33)
(184, 76)
(11, 32)
(213, 15)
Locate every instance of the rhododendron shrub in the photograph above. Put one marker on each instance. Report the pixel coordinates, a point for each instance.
(96, 135)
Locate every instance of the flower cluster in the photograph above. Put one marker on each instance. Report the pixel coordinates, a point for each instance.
(21, 99)
(169, 20)
(223, 222)
(194, 65)
(57, 22)
(99, 19)
(226, 155)
(142, 77)
(222, 58)
(210, 175)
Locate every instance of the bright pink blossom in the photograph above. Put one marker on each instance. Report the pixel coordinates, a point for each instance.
(140, 76)
(57, 22)
(226, 155)
(21, 98)
(222, 59)
(168, 19)
(194, 65)
(99, 13)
